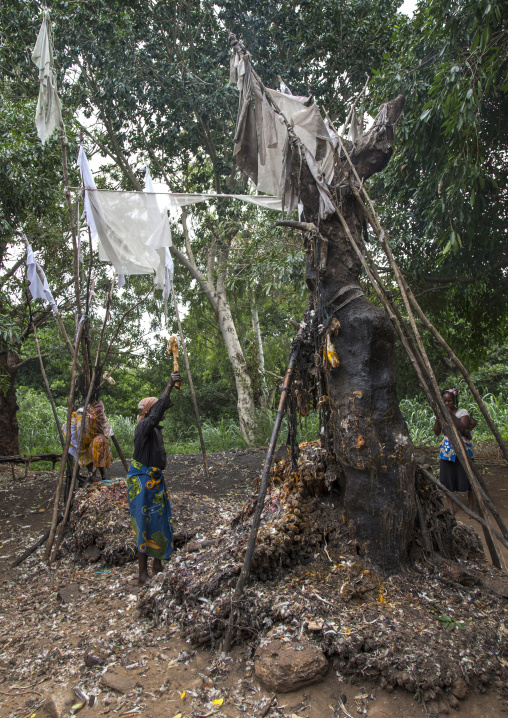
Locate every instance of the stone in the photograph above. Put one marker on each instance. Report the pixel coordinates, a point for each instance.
(459, 688)
(92, 660)
(453, 701)
(283, 668)
(68, 594)
(92, 553)
(315, 626)
(117, 681)
(58, 702)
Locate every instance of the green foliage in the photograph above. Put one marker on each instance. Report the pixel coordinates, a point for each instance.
(450, 622)
(420, 418)
(37, 430)
(442, 196)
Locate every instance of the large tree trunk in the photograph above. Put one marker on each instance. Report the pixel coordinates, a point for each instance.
(9, 437)
(370, 438)
(217, 296)
(245, 397)
(263, 399)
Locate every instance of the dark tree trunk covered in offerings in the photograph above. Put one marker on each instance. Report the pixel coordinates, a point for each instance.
(370, 438)
(9, 439)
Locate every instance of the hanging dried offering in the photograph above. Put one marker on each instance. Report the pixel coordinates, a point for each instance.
(329, 354)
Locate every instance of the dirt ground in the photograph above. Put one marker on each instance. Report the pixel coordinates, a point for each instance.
(63, 627)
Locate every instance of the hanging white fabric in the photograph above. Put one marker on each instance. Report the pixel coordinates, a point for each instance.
(157, 240)
(89, 183)
(133, 227)
(48, 112)
(39, 287)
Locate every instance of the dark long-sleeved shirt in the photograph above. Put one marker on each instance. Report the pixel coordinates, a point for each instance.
(148, 444)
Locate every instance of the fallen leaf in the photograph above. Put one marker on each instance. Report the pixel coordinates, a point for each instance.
(178, 715)
(182, 695)
(218, 702)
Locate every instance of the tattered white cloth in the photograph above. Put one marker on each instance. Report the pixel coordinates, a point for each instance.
(262, 149)
(39, 287)
(48, 112)
(133, 227)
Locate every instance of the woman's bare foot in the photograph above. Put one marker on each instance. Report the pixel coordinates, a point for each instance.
(157, 566)
(143, 576)
(143, 579)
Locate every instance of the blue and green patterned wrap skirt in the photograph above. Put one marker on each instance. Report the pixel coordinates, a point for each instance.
(150, 510)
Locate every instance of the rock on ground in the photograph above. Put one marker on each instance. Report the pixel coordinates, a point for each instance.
(284, 668)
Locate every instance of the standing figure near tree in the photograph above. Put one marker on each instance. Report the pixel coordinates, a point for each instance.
(96, 451)
(148, 496)
(451, 472)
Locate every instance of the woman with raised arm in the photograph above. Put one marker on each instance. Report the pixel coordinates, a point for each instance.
(148, 496)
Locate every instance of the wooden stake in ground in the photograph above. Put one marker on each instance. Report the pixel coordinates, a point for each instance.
(244, 574)
(58, 492)
(191, 385)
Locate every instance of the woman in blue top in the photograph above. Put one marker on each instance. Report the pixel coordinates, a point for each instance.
(451, 472)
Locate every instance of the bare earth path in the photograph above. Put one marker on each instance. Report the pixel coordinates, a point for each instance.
(65, 626)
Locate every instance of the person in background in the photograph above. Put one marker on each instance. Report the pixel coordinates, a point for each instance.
(96, 451)
(149, 503)
(451, 472)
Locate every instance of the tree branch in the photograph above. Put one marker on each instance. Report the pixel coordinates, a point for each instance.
(18, 366)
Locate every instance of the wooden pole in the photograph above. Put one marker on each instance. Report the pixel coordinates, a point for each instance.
(120, 452)
(58, 492)
(260, 502)
(191, 385)
(29, 551)
(67, 192)
(48, 388)
(464, 508)
(81, 433)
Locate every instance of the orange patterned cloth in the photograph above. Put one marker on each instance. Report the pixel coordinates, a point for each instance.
(95, 447)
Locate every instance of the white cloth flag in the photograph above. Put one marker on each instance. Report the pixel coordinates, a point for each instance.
(39, 287)
(157, 240)
(48, 112)
(133, 227)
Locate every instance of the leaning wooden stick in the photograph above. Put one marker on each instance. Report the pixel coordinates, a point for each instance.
(462, 506)
(244, 574)
(58, 492)
(29, 551)
(95, 371)
(48, 388)
(191, 384)
(120, 453)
